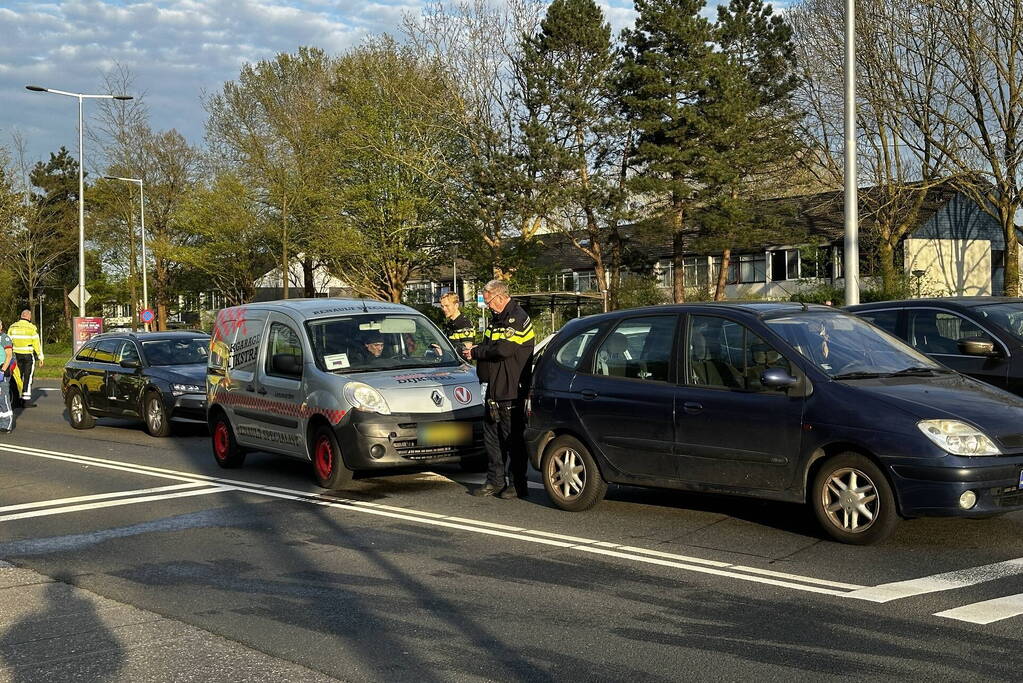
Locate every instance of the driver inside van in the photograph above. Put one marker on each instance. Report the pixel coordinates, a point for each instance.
(373, 344)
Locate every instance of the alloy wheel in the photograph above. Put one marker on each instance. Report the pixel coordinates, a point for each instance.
(850, 500)
(567, 473)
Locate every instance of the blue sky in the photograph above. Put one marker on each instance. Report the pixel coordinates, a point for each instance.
(176, 50)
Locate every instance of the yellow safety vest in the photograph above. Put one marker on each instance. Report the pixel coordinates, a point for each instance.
(25, 338)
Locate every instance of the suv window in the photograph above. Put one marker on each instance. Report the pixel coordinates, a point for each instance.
(725, 354)
(639, 348)
(106, 351)
(128, 352)
(86, 352)
(939, 332)
(572, 351)
(886, 320)
(284, 352)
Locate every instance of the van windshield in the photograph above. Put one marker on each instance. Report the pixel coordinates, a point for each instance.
(846, 347)
(379, 341)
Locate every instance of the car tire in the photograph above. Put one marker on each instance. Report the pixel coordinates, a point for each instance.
(77, 410)
(571, 476)
(226, 450)
(853, 501)
(475, 464)
(328, 465)
(154, 412)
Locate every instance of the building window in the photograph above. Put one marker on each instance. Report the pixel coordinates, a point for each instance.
(817, 262)
(784, 265)
(586, 281)
(418, 292)
(744, 268)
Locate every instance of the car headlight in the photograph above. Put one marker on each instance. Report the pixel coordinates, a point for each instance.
(364, 397)
(958, 438)
(179, 389)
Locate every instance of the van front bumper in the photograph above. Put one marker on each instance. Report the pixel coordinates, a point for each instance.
(371, 441)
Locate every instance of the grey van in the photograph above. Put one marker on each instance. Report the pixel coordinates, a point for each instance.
(349, 385)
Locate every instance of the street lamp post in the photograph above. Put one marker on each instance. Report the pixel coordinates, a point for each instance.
(852, 247)
(81, 180)
(142, 212)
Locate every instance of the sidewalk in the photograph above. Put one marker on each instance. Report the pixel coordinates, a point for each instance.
(53, 631)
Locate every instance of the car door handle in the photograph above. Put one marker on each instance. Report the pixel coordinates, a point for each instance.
(692, 408)
(588, 394)
(261, 390)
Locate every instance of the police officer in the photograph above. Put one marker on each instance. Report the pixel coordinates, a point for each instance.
(458, 328)
(504, 365)
(27, 348)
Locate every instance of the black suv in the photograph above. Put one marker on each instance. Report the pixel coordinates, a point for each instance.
(155, 376)
(980, 336)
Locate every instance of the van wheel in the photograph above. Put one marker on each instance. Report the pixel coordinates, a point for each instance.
(571, 476)
(226, 450)
(77, 411)
(155, 414)
(328, 467)
(853, 500)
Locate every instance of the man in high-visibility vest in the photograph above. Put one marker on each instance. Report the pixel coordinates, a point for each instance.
(27, 348)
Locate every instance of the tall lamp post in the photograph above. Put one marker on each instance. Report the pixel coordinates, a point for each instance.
(852, 246)
(81, 181)
(142, 213)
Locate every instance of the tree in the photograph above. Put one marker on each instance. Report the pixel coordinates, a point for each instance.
(229, 242)
(574, 138)
(391, 189)
(664, 71)
(268, 127)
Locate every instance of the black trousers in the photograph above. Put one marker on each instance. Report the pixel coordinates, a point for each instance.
(506, 448)
(26, 365)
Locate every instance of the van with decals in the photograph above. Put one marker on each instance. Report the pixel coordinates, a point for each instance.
(349, 385)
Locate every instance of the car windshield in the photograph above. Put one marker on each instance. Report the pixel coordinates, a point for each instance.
(183, 351)
(846, 347)
(1007, 315)
(379, 341)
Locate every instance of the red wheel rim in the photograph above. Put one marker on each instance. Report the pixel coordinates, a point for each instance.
(324, 457)
(221, 441)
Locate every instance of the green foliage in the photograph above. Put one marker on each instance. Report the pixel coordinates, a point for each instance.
(640, 290)
(822, 293)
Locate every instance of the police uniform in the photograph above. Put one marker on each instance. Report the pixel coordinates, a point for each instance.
(459, 331)
(27, 348)
(504, 364)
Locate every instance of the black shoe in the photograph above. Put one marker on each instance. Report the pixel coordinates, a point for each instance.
(508, 492)
(487, 490)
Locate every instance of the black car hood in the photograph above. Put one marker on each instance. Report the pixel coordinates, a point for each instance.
(953, 397)
(182, 374)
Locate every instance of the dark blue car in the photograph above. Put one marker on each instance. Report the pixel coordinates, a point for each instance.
(783, 401)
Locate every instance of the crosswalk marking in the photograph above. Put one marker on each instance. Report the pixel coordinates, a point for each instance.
(987, 611)
(961, 578)
(99, 496)
(113, 503)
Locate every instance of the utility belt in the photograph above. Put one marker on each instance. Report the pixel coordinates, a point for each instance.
(495, 409)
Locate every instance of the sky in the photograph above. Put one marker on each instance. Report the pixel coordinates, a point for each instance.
(176, 50)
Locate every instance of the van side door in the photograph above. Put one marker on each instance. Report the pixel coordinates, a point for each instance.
(278, 388)
(234, 358)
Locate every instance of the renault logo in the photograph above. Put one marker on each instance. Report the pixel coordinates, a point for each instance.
(438, 398)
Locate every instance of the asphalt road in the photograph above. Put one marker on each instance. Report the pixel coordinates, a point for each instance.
(407, 577)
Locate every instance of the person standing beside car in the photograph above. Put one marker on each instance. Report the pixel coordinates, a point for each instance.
(457, 327)
(6, 414)
(503, 365)
(27, 349)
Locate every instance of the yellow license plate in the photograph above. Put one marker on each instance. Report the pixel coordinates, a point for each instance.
(445, 434)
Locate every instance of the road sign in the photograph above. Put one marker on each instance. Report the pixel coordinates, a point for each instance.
(73, 295)
(147, 315)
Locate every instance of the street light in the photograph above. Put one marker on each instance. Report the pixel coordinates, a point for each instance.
(81, 181)
(142, 206)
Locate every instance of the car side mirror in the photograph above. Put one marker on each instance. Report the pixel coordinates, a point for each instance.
(977, 347)
(130, 364)
(777, 378)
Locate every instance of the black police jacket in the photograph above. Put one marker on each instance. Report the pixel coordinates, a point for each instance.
(505, 355)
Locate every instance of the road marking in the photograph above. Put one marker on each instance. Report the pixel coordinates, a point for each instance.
(987, 611)
(113, 503)
(99, 496)
(590, 546)
(960, 578)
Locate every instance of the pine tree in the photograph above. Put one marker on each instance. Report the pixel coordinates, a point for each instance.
(664, 74)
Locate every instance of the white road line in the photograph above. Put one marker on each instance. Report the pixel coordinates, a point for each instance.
(112, 503)
(987, 611)
(99, 496)
(961, 578)
(591, 546)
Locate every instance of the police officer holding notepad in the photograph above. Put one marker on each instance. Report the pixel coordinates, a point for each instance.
(503, 362)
